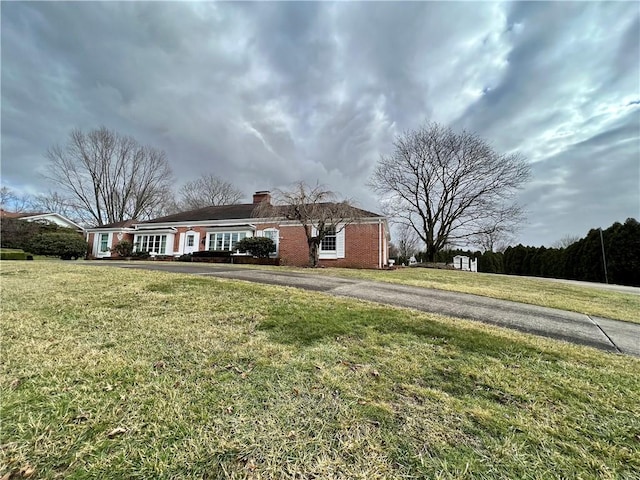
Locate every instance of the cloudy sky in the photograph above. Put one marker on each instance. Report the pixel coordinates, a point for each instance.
(265, 94)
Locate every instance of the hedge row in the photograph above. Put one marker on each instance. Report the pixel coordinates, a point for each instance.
(15, 256)
(582, 260)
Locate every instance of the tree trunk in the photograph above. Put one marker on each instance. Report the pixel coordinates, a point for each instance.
(431, 253)
(313, 253)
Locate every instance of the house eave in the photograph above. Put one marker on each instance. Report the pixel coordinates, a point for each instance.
(57, 215)
(109, 229)
(154, 229)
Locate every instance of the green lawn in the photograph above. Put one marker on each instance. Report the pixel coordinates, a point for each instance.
(112, 373)
(35, 257)
(576, 298)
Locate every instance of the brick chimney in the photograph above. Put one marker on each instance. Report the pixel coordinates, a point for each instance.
(262, 196)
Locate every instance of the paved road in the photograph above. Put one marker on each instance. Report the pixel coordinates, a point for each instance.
(605, 334)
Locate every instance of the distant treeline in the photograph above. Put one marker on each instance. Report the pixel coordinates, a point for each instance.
(581, 260)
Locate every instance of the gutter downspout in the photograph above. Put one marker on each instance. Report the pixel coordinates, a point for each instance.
(379, 244)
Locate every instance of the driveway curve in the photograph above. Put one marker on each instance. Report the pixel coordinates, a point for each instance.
(605, 334)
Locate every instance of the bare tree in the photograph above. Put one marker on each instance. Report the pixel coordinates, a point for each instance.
(316, 209)
(168, 205)
(110, 177)
(499, 230)
(566, 241)
(12, 202)
(407, 240)
(449, 187)
(208, 190)
(7, 197)
(54, 202)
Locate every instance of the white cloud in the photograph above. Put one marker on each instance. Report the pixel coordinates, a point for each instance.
(268, 93)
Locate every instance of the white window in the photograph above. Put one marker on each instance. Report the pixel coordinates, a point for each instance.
(328, 243)
(190, 240)
(152, 243)
(333, 243)
(274, 235)
(225, 241)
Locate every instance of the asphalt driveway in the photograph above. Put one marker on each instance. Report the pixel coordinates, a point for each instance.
(605, 334)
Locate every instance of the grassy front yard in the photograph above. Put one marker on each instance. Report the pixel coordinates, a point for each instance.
(575, 298)
(111, 373)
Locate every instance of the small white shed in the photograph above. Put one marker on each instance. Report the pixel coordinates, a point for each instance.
(462, 262)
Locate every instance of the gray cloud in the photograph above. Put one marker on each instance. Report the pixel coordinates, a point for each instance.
(265, 93)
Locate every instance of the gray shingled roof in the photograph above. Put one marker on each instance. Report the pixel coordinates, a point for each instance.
(222, 212)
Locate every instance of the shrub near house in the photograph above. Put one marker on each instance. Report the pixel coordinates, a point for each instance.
(123, 248)
(260, 247)
(66, 245)
(42, 238)
(17, 233)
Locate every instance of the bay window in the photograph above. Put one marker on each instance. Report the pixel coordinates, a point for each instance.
(225, 241)
(152, 244)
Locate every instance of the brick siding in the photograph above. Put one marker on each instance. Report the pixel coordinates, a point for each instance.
(361, 247)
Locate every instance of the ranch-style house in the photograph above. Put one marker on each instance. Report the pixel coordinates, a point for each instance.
(362, 243)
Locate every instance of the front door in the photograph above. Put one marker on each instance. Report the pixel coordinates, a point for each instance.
(102, 245)
(191, 241)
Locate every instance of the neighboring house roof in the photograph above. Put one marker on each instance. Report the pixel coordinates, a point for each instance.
(46, 216)
(6, 214)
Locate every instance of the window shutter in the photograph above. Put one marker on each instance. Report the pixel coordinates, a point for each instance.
(259, 233)
(314, 231)
(340, 242)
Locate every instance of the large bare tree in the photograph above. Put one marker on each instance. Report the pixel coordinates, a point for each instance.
(449, 187)
(208, 190)
(110, 177)
(316, 208)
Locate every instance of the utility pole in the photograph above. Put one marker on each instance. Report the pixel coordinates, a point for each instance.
(604, 259)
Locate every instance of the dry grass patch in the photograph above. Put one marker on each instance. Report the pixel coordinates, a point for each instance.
(113, 373)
